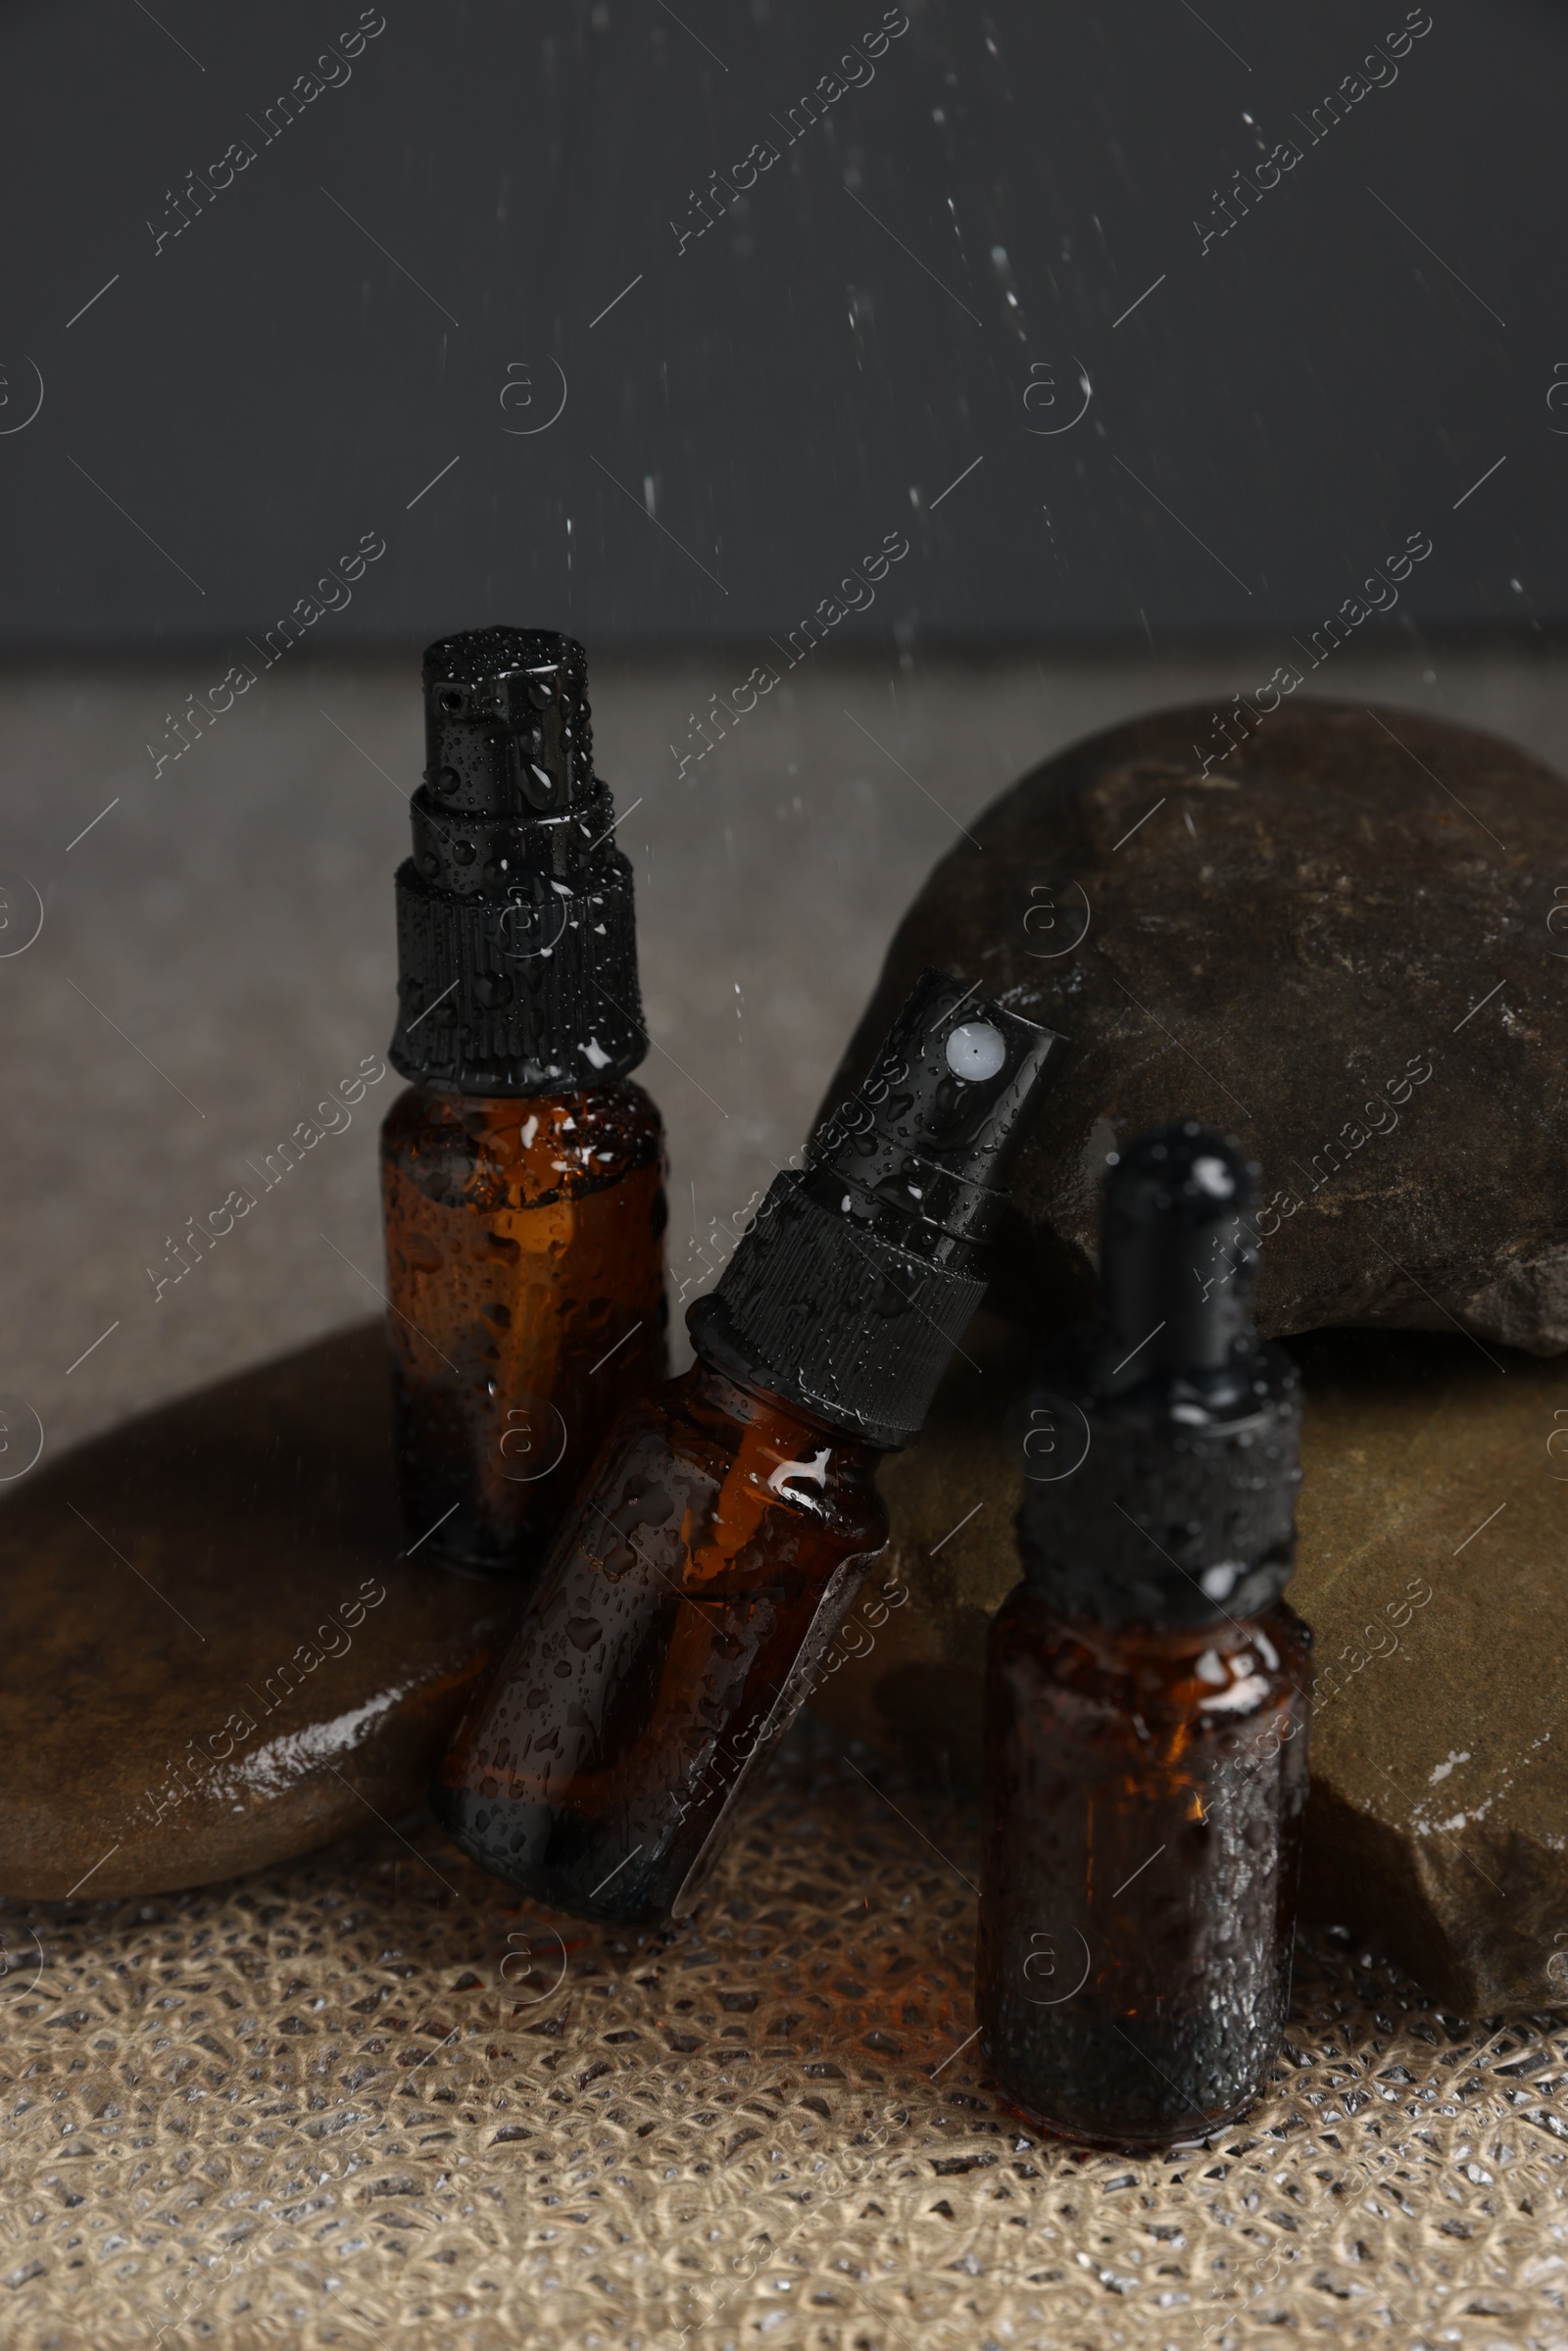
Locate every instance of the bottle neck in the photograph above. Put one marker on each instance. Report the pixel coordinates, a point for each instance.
(616, 1087)
(749, 1404)
(1117, 1641)
(791, 1497)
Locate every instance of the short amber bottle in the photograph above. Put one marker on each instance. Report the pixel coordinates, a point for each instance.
(693, 1594)
(672, 1641)
(1147, 1692)
(522, 1173)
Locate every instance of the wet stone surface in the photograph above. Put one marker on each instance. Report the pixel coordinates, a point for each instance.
(1430, 1569)
(1343, 944)
(212, 1655)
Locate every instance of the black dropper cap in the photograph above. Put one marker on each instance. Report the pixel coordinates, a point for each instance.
(1161, 1458)
(852, 1289)
(516, 944)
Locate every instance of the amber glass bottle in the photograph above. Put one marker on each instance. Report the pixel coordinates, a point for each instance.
(522, 1173)
(694, 1590)
(1147, 1692)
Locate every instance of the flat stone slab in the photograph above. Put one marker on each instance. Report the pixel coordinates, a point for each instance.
(212, 1653)
(1433, 1527)
(1343, 941)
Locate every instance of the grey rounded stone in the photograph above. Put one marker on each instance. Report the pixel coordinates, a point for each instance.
(1344, 942)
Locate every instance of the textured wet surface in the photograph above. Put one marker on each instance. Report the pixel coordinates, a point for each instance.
(371, 2100)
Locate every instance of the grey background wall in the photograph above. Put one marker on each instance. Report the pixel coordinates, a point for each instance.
(492, 214)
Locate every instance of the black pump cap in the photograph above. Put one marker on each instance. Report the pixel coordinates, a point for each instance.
(517, 948)
(1160, 1460)
(852, 1289)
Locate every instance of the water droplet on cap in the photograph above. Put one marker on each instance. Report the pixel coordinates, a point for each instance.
(1213, 1177)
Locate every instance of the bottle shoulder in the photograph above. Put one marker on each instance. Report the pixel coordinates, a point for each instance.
(523, 1149)
(735, 1476)
(1214, 1674)
(805, 1458)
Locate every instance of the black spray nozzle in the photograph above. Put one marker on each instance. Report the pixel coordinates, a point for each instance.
(517, 967)
(1161, 1464)
(1177, 1256)
(507, 724)
(922, 1152)
(509, 785)
(852, 1289)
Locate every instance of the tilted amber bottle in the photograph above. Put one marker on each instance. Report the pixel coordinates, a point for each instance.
(1147, 1692)
(522, 1171)
(693, 1592)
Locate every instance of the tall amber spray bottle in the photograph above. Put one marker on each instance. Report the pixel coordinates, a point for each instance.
(699, 1582)
(1147, 1692)
(523, 1170)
